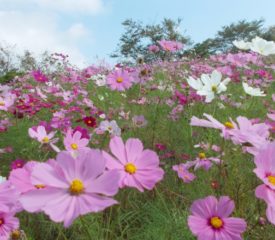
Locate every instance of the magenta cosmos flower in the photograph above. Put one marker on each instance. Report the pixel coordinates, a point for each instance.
(73, 186)
(138, 168)
(210, 219)
(265, 170)
(119, 80)
(39, 76)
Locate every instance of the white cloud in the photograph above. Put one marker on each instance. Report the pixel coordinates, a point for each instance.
(34, 25)
(39, 31)
(82, 6)
(78, 30)
(73, 6)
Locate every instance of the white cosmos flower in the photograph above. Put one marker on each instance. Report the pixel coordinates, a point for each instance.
(99, 79)
(110, 127)
(242, 44)
(209, 85)
(262, 46)
(253, 91)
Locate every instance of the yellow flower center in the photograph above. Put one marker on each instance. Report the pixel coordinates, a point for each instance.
(89, 121)
(2, 104)
(1, 221)
(214, 88)
(74, 146)
(229, 125)
(40, 186)
(110, 128)
(119, 79)
(130, 168)
(216, 222)
(202, 155)
(77, 187)
(271, 180)
(45, 140)
(15, 234)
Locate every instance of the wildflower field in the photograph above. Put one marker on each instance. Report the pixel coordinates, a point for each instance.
(166, 150)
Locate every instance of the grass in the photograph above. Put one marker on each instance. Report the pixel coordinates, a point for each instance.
(160, 214)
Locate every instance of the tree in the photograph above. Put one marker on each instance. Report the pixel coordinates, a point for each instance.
(7, 59)
(137, 37)
(242, 30)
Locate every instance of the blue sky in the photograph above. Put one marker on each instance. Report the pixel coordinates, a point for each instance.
(89, 28)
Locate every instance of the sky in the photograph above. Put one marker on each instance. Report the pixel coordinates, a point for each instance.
(88, 30)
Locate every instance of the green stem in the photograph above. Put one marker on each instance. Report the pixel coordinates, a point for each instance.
(86, 227)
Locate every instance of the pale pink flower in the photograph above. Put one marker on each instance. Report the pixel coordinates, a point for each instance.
(183, 173)
(74, 186)
(74, 142)
(120, 80)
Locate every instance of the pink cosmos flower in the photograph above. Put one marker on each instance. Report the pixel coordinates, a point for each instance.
(153, 48)
(139, 121)
(210, 219)
(183, 173)
(74, 142)
(170, 46)
(214, 123)
(138, 168)
(265, 170)
(20, 178)
(246, 131)
(8, 197)
(6, 102)
(74, 186)
(41, 135)
(8, 223)
(119, 80)
(205, 162)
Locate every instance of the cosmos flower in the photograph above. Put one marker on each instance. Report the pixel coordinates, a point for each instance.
(18, 163)
(262, 46)
(139, 121)
(75, 186)
(119, 80)
(20, 178)
(183, 173)
(209, 85)
(153, 48)
(211, 122)
(110, 127)
(210, 219)
(7, 101)
(84, 132)
(8, 197)
(204, 162)
(137, 168)
(242, 44)
(39, 76)
(74, 142)
(8, 223)
(170, 46)
(265, 170)
(41, 135)
(253, 91)
(90, 121)
(99, 79)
